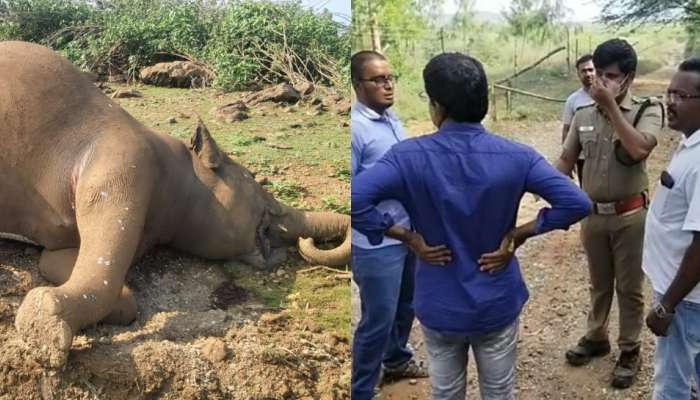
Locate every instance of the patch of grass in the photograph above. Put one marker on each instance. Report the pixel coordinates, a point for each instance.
(341, 171)
(318, 295)
(324, 298)
(331, 203)
(286, 190)
(259, 284)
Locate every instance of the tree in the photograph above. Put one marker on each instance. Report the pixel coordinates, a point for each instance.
(381, 24)
(535, 19)
(639, 12)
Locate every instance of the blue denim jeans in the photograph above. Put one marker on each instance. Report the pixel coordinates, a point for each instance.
(677, 358)
(495, 354)
(385, 277)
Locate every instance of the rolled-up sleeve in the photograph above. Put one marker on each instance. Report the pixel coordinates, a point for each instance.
(381, 182)
(568, 203)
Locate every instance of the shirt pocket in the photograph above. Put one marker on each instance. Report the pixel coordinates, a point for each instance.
(589, 143)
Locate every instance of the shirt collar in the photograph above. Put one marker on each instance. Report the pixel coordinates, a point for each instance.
(692, 140)
(465, 127)
(371, 114)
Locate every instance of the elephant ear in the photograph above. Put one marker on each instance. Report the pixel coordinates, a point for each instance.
(202, 144)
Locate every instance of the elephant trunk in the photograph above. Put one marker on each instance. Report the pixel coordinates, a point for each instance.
(307, 226)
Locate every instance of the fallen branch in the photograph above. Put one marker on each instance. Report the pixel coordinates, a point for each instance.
(531, 66)
(526, 93)
(320, 268)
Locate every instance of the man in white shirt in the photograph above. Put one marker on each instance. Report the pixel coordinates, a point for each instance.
(671, 258)
(585, 72)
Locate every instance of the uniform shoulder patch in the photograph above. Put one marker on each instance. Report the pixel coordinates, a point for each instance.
(584, 106)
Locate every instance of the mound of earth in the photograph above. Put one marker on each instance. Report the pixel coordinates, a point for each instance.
(198, 336)
(181, 74)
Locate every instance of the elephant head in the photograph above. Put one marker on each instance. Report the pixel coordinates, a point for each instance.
(233, 216)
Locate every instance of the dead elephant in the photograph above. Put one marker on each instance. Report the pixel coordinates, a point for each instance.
(96, 189)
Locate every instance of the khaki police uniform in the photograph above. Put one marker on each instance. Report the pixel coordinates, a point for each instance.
(613, 234)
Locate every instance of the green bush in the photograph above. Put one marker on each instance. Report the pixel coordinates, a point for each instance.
(246, 42)
(252, 38)
(35, 20)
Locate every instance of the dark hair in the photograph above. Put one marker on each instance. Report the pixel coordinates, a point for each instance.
(458, 83)
(616, 51)
(691, 65)
(583, 59)
(359, 59)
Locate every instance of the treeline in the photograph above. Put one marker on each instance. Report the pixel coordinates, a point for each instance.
(244, 43)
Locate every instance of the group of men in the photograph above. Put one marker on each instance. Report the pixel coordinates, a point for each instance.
(451, 199)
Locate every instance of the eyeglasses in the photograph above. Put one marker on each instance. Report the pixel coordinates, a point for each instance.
(674, 96)
(382, 80)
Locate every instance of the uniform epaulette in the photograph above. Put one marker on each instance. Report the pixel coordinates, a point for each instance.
(646, 102)
(650, 99)
(584, 106)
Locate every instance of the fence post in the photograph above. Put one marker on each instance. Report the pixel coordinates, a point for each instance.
(442, 39)
(568, 50)
(494, 111)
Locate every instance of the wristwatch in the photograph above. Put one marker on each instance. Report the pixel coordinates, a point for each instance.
(661, 312)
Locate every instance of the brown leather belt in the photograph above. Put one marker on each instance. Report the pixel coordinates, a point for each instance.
(621, 207)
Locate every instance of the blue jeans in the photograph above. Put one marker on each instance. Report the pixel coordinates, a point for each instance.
(677, 358)
(495, 354)
(385, 277)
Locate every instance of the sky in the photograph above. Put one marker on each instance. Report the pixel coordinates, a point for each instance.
(339, 8)
(581, 10)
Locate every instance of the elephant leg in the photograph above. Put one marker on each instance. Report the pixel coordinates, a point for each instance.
(111, 203)
(56, 267)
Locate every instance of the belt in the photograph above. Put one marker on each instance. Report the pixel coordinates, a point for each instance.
(621, 207)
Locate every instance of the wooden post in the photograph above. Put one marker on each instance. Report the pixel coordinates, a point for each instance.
(374, 29)
(568, 50)
(442, 39)
(509, 102)
(494, 110)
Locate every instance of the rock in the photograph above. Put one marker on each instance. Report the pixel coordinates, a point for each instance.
(305, 88)
(116, 78)
(30, 251)
(182, 74)
(231, 112)
(343, 107)
(126, 93)
(214, 350)
(171, 120)
(282, 93)
(104, 87)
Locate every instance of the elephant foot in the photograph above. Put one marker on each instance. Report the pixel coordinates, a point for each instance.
(41, 326)
(124, 312)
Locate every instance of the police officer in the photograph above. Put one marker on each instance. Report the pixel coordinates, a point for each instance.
(616, 134)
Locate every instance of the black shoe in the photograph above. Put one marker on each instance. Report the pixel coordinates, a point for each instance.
(626, 369)
(410, 370)
(585, 350)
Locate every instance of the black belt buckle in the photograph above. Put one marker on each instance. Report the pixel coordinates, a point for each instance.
(667, 180)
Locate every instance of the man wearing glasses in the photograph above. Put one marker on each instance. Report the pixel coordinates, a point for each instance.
(384, 272)
(672, 245)
(616, 135)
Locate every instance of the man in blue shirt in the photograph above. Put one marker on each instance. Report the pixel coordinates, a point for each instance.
(461, 187)
(383, 272)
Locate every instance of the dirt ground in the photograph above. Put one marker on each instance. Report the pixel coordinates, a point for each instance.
(198, 336)
(555, 269)
(205, 330)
